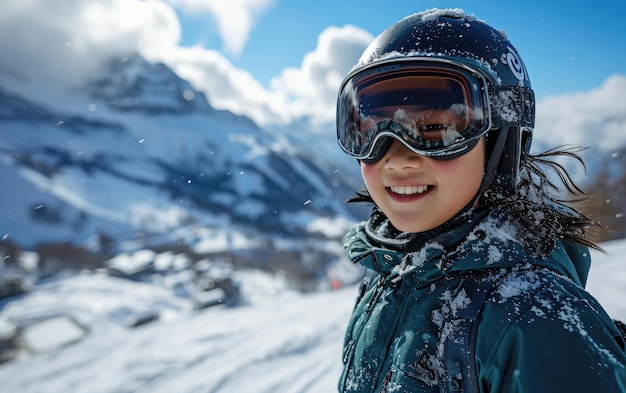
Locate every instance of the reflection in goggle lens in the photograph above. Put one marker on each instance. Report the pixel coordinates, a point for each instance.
(433, 111)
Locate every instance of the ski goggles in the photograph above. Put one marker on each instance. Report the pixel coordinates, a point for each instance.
(436, 107)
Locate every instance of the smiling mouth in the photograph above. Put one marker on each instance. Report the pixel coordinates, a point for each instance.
(410, 190)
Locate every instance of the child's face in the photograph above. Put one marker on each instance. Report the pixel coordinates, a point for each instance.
(418, 193)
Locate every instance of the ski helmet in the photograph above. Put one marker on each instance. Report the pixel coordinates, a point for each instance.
(442, 60)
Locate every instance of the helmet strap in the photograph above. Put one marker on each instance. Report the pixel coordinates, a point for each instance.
(497, 167)
(493, 157)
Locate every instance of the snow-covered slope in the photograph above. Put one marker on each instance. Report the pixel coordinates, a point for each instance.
(138, 154)
(279, 342)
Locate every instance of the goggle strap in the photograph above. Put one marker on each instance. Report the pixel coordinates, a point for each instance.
(512, 106)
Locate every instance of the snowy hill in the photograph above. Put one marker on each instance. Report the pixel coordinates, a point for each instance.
(148, 152)
(280, 341)
(137, 158)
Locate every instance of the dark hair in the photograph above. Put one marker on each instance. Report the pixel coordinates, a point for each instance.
(543, 207)
(546, 207)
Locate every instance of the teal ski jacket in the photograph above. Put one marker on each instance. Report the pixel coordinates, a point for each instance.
(538, 330)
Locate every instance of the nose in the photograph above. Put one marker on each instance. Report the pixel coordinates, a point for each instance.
(401, 157)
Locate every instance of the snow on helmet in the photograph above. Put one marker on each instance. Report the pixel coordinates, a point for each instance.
(450, 60)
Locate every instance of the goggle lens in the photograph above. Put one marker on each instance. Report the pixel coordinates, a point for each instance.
(436, 112)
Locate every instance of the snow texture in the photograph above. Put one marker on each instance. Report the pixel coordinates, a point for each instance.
(279, 342)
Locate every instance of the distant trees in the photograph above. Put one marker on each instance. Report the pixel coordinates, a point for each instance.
(608, 203)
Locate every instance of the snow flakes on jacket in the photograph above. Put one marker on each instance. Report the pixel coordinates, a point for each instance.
(539, 330)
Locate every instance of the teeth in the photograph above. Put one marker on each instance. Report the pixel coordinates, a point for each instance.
(408, 190)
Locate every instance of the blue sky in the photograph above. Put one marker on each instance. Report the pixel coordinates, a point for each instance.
(279, 61)
(567, 45)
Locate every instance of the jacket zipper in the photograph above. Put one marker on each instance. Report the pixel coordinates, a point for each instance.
(383, 388)
(377, 291)
(368, 310)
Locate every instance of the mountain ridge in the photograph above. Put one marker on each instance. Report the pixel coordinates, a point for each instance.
(147, 156)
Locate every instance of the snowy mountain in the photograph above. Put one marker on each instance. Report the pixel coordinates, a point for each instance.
(280, 341)
(137, 158)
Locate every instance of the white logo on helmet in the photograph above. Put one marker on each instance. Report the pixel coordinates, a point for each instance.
(516, 65)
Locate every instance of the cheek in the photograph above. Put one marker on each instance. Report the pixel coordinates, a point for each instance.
(373, 183)
(368, 171)
(464, 173)
(458, 169)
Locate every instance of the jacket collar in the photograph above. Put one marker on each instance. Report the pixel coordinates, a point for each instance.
(377, 245)
(472, 246)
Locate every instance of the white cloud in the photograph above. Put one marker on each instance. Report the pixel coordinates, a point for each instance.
(311, 90)
(591, 118)
(234, 18)
(225, 86)
(308, 91)
(64, 42)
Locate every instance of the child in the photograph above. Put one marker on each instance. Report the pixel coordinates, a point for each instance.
(477, 267)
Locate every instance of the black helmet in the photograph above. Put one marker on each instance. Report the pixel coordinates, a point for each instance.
(479, 62)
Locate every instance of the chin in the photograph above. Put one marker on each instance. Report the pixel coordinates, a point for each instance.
(412, 228)
(415, 225)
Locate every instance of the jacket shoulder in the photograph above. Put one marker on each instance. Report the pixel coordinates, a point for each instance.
(543, 331)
